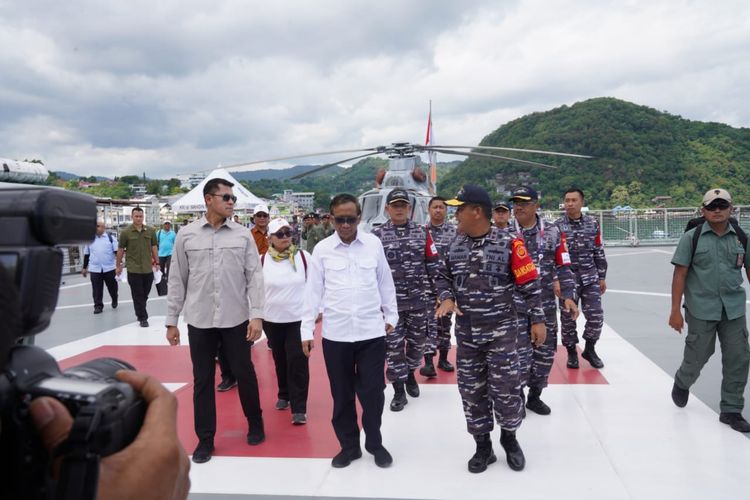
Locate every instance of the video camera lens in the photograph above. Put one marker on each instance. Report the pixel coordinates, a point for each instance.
(98, 369)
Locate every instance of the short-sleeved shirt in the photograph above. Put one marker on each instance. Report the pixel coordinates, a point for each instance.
(714, 279)
(137, 246)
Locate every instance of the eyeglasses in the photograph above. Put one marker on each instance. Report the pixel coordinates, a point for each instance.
(522, 203)
(346, 220)
(717, 205)
(226, 197)
(283, 233)
(261, 215)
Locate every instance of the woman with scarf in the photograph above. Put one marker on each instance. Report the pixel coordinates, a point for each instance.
(284, 275)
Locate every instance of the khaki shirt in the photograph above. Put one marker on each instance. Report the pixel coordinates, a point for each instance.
(216, 276)
(137, 246)
(714, 279)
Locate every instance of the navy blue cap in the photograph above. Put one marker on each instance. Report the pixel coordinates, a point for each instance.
(471, 193)
(397, 194)
(524, 193)
(502, 205)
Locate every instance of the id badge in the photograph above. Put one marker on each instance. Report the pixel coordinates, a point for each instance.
(740, 260)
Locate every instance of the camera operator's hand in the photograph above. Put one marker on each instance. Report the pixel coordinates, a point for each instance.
(155, 464)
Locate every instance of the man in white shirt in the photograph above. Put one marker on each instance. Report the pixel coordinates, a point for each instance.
(99, 260)
(349, 279)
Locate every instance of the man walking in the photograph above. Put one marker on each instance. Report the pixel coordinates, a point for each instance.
(484, 267)
(414, 261)
(99, 261)
(260, 229)
(350, 280)
(218, 280)
(438, 330)
(165, 239)
(138, 243)
(708, 266)
(589, 265)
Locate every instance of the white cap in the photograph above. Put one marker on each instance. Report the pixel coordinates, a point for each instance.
(716, 194)
(261, 208)
(277, 224)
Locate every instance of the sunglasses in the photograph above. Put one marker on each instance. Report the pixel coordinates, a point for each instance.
(283, 233)
(226, 197)
(346, 220)
(261, 215)
(717, 205)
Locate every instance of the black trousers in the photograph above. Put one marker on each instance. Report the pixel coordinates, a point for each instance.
(140, 287)
(98, 280)
(164, 263)
(204, 343)
(292, 366)
(225, 369)
(356, 368)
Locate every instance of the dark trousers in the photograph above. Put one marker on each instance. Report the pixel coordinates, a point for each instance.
(98, 280)
(204, 343)
(292, 366)
(164, 263)
(140, 287)
(356, 368)
(224, 368)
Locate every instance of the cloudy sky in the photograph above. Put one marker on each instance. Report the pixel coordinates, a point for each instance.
(122, 87)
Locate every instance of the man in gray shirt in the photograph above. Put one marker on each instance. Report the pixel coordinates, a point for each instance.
(217, 278)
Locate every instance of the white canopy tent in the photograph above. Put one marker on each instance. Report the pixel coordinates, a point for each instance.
(193, 200)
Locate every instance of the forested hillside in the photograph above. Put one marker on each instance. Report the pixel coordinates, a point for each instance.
(641, 153)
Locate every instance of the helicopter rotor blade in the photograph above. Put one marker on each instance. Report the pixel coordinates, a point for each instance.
(519, 150)
(293, 157)
(493, 157)
(323, 167)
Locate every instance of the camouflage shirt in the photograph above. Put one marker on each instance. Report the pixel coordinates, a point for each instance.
(414, 262)
(584, 240)
(482, 274)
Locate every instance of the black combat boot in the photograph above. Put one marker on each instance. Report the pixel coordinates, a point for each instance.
(428, 370)
(572, 357)
(535, 404)
(484, 455)
(412, 388)
(513, 452)
(443, 362)
(589, 354)
(399, 398)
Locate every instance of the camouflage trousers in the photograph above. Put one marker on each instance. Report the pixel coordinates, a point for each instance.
(590, 297)
(536, 362)
(438, 333)
(489, 378)
(405, 345)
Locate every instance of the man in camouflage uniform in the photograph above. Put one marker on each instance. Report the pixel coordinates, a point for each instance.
(483, 268)
(546, 245)
(501, 215)
(438, 330)
(414, 263)
(313, 231)
(589, 266)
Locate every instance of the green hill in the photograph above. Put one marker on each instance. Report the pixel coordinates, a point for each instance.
(641, 153)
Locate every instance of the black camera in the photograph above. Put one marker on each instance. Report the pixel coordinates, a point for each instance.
(107, 413)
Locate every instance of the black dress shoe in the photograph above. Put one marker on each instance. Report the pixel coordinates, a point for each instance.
(589, 354)
(572, 357)
(412, 388)
(345, 457)
(98, 310)
(679, 395)
(144, 324)
(114, 303)
(203, 451)
(538, 406)
(513, 452)
(383, 459)
(399, 398)
(256, 434)
(226, 384)
(735, 421)
(282, 404)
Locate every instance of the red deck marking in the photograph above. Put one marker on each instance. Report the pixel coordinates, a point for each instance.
(313, 440)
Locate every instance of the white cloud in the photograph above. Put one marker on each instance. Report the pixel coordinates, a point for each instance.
(169, 87)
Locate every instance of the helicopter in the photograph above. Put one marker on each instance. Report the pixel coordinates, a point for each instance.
(405, 172)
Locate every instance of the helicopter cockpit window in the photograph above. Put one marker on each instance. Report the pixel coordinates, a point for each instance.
(371, 207)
